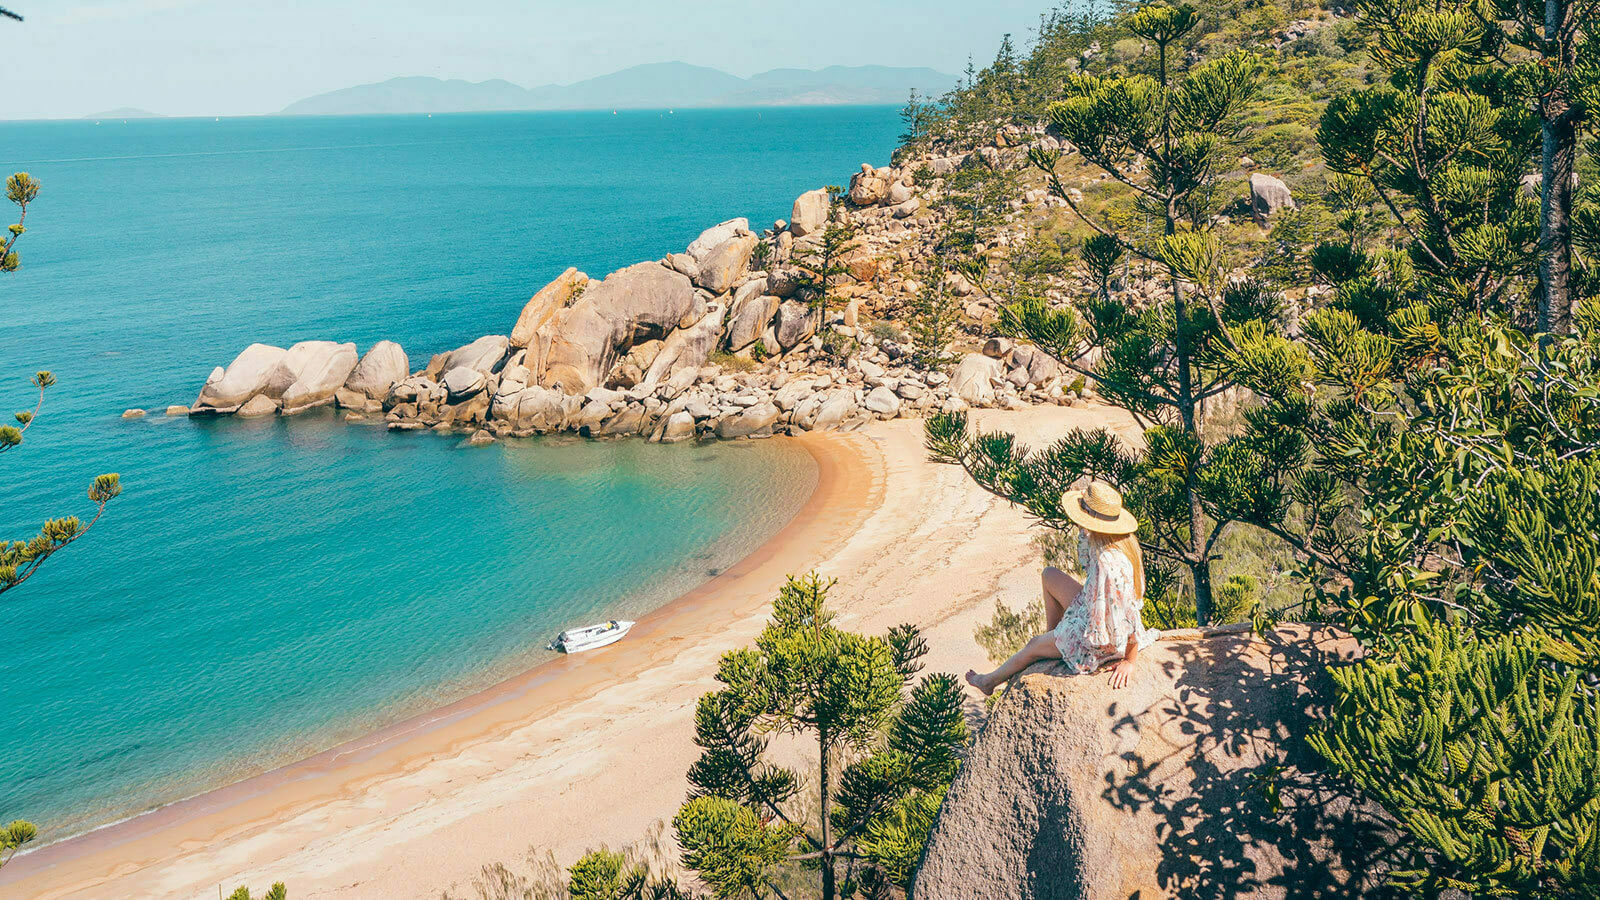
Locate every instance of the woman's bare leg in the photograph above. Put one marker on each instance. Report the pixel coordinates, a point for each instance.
(1060, 589)
(1041, 647)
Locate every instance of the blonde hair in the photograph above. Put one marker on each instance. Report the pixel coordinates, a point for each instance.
(1129, 545)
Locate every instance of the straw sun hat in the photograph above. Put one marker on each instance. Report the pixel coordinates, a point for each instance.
(1098, 508)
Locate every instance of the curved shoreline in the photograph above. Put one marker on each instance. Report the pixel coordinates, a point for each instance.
(850, 486)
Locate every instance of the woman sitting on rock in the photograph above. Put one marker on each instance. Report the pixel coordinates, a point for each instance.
(1096, 621)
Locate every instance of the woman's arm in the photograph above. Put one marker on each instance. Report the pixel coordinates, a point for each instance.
(1123, 670)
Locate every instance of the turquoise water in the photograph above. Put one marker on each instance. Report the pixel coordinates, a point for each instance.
(264, 589)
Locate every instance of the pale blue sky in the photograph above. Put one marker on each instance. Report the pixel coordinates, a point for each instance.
(221, 57)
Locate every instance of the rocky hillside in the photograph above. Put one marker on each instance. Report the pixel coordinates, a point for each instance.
(1186, 783)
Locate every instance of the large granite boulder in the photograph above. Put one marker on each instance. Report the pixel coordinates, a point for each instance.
(462, 382)
(975, 377)
(259, 405)
(482, 355)
(1268, 195)
(754, 421)
(687, 348)
(1194, 780)
(749, 319)
(810, 213)
(715, 236)
(384, 364)
(796, 322)
(227, 389)
(542, 308)
(309, 374)
(722, 268)
(576, 350)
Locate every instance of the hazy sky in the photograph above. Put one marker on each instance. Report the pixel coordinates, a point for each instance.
(220, 57)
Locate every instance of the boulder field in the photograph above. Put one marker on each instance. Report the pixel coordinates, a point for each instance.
(633, 353)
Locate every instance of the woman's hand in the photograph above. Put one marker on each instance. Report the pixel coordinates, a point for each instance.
(1123, 670)
(1121, 673)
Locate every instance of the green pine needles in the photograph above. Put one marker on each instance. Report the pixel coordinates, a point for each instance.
(1485, 752)
(886, 749)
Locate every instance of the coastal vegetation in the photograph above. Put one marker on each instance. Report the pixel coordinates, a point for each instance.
(885, 751)
(1418, 433)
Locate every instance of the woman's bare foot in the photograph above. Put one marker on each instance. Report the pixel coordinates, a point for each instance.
(980, 682)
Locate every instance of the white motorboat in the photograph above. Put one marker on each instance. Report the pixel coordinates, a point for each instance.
(589, 638)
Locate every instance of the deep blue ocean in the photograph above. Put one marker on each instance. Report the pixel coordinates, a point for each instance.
(265, 589)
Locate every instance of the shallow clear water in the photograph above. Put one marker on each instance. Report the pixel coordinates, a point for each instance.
(264, 589)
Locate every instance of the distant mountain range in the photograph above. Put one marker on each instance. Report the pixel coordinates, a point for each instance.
(654, 86)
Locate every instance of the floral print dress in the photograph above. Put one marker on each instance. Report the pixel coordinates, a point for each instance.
(1095, 628)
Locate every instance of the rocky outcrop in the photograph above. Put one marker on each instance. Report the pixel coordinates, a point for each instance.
(810, 213)
(227, 389)
(1192, 781)
(724, 267)
(640, 302)
(309, 374)
(541, 310)
(634, 353)
(1268, 195)
(870, 187)
(384, 364)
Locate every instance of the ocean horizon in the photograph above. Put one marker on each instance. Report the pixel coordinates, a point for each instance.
(266, 589)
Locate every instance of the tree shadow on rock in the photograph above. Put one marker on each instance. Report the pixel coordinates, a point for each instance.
(1244, 806)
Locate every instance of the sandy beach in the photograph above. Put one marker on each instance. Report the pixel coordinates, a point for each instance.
(590, 749)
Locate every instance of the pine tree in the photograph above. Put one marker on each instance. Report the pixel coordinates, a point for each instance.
(1547, 47)
(1450, 521)
(935, 317)
(821, 261)
(19, 560)
(1164, 136)
(1445, 142)
(848, 692)
(21, 189)
(607, 875)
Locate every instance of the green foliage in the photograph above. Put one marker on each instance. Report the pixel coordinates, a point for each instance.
(1009, 629)
(1486, 755)
(19, 560)
(609, 875)
(21, 189)
(1449, 520)
(1444, 143)
(846, 691)
(730, 848)
(13, 836)
(276, 892)
(935, 318)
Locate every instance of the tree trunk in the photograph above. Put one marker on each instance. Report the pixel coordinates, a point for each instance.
(1199, 565)
(1559, 155)
(829, 890)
